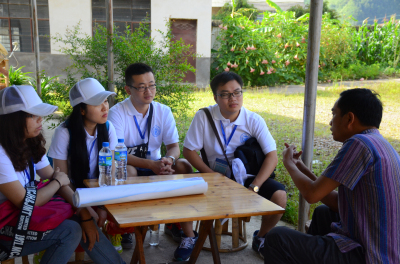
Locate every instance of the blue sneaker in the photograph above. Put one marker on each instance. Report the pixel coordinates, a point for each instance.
(258, 243)
(183, 251)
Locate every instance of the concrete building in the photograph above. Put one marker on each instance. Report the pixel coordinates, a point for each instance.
(191, 21)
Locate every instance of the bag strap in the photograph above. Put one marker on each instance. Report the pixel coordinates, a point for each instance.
(214, 128)
(149, 123)
(21, 229)
(204, 157)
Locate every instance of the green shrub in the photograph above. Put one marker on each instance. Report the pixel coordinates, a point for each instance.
(378, 44)
(240, 7)
(354, 71)
(274, 50)
(18, 77)
(301, 10)
(168, 60)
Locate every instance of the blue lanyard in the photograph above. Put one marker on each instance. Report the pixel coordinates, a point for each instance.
(223, 134)
(91, 148)
(90, 152)
(27, 175)
(138, 127)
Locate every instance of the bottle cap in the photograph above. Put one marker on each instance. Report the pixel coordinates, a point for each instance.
(120, 140)
(106, 144)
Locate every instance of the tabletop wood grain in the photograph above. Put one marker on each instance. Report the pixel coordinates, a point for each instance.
(224, 199)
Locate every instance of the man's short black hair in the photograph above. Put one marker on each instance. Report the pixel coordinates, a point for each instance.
(364, 104)
(223, 78)
(137, 68)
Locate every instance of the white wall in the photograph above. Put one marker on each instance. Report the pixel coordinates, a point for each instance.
(163, 10)
(67, 14)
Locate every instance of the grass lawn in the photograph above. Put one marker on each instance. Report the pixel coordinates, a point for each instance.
(284, 116)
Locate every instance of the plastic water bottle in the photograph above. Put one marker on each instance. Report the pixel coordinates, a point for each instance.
(154, 235)
(105, 165)
(121, 159)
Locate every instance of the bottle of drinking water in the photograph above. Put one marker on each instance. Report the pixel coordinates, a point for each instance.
(121, 159)
(105, 162)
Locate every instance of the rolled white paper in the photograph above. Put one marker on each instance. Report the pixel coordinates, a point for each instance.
(137, 192)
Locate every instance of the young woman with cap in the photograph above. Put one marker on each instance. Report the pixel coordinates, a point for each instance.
(76, 142)
(22, 156)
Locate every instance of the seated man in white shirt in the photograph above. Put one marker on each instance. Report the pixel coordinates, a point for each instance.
(235, 124)
(130, 119)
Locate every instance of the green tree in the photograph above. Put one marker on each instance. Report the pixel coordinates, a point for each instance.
(300, 10)
(363, 9)
(241, 7)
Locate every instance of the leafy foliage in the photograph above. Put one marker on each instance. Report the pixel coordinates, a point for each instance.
(168, 60)
(378, 44)
(240, 7)
(18, 77)
(274, 50)
(363, 9)
(301, 10)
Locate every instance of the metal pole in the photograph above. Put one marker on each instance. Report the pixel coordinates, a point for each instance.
(36, 45)
(310, 96)
(110, 54)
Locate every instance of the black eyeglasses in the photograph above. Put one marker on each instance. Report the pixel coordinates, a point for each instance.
(228, 95)
(143, 88)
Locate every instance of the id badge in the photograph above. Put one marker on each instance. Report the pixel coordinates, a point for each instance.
(221, 166)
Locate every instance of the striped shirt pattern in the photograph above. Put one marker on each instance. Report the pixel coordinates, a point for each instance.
(368, 168)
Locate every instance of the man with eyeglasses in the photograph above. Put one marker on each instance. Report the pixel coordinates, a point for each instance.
(235, 124)
(130, 119)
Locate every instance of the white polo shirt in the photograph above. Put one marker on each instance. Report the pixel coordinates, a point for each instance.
(8, 173)
(60, 143)
(163, 126)
(249, 124)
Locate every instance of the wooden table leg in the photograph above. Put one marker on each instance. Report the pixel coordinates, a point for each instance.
(138, 254)
(235, 233)
(214, 245)
(218, 232)
(206, 229)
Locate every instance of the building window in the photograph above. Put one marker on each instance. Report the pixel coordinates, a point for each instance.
(16, 24)
(125, 12)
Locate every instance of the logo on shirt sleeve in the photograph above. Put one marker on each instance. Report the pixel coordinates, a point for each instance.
(244, 137)
(156, 131)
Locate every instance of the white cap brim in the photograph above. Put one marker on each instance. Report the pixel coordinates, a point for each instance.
(42, 109)
(99, 98)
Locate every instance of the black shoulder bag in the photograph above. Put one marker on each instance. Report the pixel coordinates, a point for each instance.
(252, 156)
(140, 151)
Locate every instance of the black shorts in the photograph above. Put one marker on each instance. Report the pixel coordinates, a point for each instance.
(144, 172)
(269, 187)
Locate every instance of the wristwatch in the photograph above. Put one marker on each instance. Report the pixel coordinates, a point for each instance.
(173, 159)
(254, 187)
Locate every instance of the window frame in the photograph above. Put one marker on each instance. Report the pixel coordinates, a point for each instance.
(130, 23)
(10, 35)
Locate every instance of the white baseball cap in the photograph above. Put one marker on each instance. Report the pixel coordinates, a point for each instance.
(88, 91)
(23, 98)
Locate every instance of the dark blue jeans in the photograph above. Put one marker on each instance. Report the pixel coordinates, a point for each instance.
(61, 243)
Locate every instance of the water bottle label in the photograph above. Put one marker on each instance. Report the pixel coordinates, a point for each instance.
(120, 155)
(105, 160)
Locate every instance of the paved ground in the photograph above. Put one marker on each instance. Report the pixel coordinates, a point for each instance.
(163, 253)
